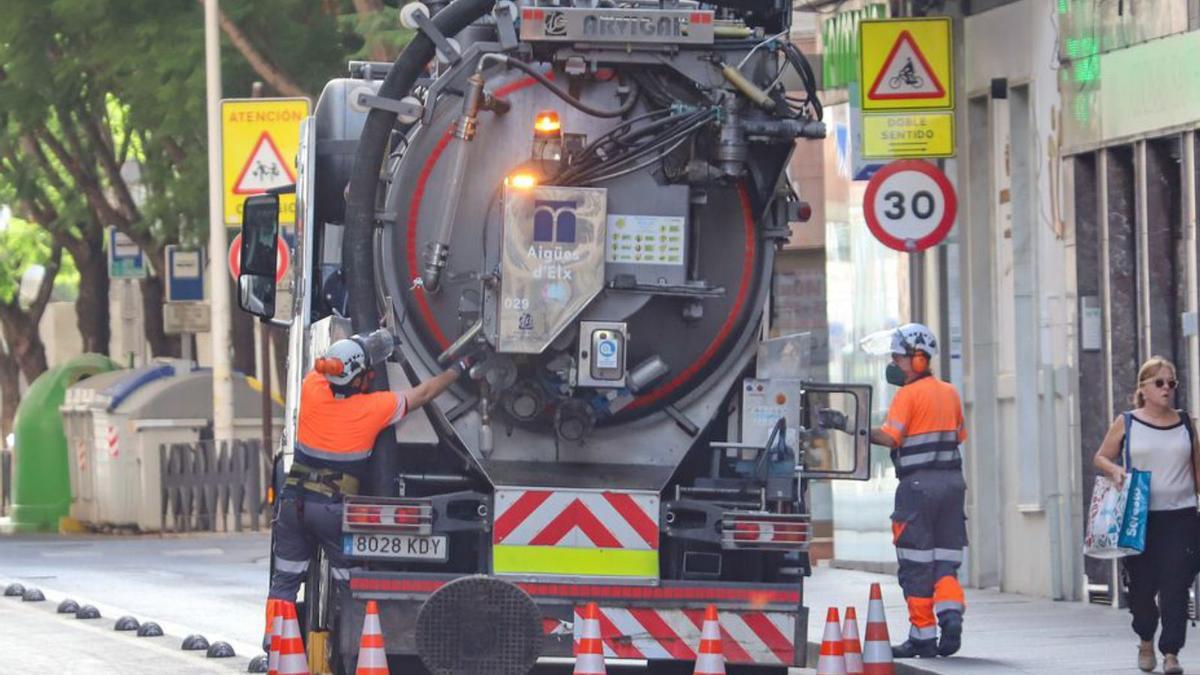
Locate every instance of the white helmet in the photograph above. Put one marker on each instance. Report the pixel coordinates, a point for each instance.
(343, 361)
(904, 340)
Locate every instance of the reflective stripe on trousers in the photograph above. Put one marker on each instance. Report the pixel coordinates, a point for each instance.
(334, 456)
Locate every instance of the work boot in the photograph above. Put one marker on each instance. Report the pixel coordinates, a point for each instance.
(951, 638)
(1171, 665)
(925, 649)
(1146, 661)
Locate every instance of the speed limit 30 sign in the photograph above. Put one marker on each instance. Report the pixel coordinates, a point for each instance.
(909, 205)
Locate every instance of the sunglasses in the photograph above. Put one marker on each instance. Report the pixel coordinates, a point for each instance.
(1160, 383)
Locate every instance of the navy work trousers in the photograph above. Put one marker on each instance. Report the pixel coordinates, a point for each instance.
(303, 523)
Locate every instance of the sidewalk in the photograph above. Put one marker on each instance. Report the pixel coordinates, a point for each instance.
(1003, 632)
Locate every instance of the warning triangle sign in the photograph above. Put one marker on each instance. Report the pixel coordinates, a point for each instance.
(265, 169)
(905, 74)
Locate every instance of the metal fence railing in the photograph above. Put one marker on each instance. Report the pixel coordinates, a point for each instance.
(210, 489)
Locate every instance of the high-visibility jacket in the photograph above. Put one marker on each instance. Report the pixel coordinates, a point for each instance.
(339, 433)
(925, 421)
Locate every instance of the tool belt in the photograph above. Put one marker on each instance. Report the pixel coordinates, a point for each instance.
(325, 482)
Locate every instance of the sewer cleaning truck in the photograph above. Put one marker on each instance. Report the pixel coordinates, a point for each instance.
(587, 196)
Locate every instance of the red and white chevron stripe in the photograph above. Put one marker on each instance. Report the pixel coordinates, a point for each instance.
(645, 633)
(576, 518)
(114, 440)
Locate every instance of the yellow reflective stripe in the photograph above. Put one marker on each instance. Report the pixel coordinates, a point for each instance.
(608, 562)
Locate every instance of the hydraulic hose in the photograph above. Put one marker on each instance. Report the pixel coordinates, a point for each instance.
(357, 253)
(358, 242)
(564, 95)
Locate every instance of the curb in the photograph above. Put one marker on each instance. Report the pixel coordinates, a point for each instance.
(901, 666)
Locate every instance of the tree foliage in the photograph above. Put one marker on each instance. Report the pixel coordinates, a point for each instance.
(103, 124)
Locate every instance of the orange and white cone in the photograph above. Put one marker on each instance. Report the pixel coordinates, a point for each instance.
(589, 651)
(292, 660)
(276, 638)
(833, 659)
(877, 647)
(372, 657)
(850, 644)
(709, 659)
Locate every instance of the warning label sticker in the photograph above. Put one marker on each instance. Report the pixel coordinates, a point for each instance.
(646, 240)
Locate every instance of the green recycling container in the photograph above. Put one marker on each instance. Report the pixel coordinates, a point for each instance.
(41, 476)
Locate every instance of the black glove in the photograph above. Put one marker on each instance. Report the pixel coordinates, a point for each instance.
(463, 364)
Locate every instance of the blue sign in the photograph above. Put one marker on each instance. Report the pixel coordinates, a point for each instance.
(125, 259)
(185, 274)
(554, 221)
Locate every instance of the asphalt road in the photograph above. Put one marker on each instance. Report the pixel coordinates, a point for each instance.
(209, 584)
(213, 585)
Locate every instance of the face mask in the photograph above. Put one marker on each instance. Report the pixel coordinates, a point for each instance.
(895, 375)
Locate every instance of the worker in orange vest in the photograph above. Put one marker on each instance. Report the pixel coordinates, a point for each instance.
(924, 428)
(338, 422)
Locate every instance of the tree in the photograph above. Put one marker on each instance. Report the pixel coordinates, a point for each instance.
(90, 88)
(23, 248)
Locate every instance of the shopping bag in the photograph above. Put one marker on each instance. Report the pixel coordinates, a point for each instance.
(1108, 510)
(1137, 510)
(1106, 515)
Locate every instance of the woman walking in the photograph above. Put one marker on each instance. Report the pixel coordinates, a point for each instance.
(1162, 442)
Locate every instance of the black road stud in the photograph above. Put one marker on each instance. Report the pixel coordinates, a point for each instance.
(194, 643)
(68, 606)
(87, 612)
(33, 595)
(220, 650)
(149, 629)
(14, 591)
(126, 623)
(258, 664)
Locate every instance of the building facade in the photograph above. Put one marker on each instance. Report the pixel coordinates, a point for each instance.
(1073, 258)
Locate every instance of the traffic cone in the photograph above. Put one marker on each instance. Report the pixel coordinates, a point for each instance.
(589, 651)
(292, 660)
(833, 659)
(851, 645)
(276, 639)
(877, 648)
(372, 657)
(709, 659)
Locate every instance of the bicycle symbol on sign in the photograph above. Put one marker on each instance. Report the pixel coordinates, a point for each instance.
(907, 76)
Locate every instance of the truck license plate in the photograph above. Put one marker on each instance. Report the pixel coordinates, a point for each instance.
(395, 546)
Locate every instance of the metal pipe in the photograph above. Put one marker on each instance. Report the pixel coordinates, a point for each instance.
(464, 132)
(222, 372)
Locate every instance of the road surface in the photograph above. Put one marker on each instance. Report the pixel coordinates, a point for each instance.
(211, 584)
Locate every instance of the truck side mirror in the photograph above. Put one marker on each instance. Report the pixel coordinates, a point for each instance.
(256, 294)
(260, 235)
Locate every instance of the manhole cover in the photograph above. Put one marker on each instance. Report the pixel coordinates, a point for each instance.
(479, 626)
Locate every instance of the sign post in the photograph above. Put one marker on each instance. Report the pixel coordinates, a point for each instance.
(260, 141)
(910, 205)
(185, 312)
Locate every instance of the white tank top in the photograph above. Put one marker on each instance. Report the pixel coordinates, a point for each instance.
(1166, 453)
